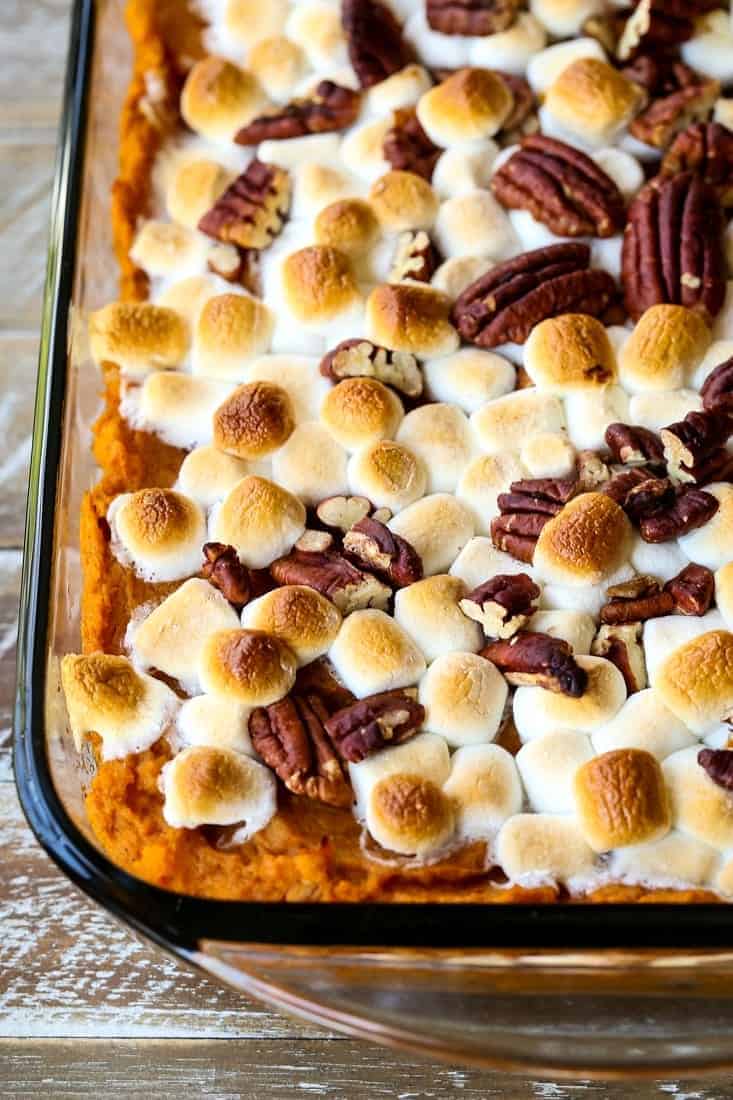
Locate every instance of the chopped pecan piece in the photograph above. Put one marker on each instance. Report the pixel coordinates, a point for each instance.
(649, 498)
(717, 389)
(718, 764)
(373, 545)
(314, 542)
(224, 570)
(561, 187)
(539, 659)
(290, 737)
(667, 116)
(374, 723)
(416, 258)
(319, 678)
(251, 211)
(636, 601)
(621, 644)
(407, 147)
(517, 534)
(357, 358)
(349, 588)
(376, 46)
(505, 304)
(330, 107)
(690, 444)
(692, 590)
(658, 25)
(632, 445)
(692, 508)
(643, 584)
(705, 148)
(673, 247)
(502, 605)
(620, 485)
(471, 17)
(341, 513)
(593, 472)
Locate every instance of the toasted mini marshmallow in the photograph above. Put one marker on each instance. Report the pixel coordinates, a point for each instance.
(463, 168)
(306, 621)
(362, 149)
(470, 104)
(401, 89)
(403, 200)
(425, 755)
(662, 636)
(469, 378)
(696, 680)
(479, 561)
(216, 786)
(464, 697)
(593, 101)
(410, 815)
(564, 18)
(699, 806)
(215, 722)
(194, 188)
(177, 407)
(543, 847)
(438, 527)
(657, 409)
(207, 475)
(666, 344)
(260, 519)
(538, 711)
(388, 474)
(547, 65)
(231, 329)
(105, 695)
(429, 612)
(373, 653)
(548, 455)
(483, 479)
(360, 411)
(568, 354)
(710, 50)
(510, 50)
(485, 788)
(254, 420)
(473, 223)
(621, 799)
(712, 544)
(411, 318)
(249, 666)
(644, 722)
(316, 26)
(623, 169)
(662, 560)
(724, 592)
(189, 296)
(588, 541)
(441, 436)
(675, 860)
(219, 98)
(171, 638)
(312, 465)
(577, 628)
(348, 224)
(507, 422)
(588, 413)
(164, 248)
(278, 64)
(137, 336)
(548, 765)
(318, 284)
(248, 21)
(299, 376)
(158, 533)
(317, 185)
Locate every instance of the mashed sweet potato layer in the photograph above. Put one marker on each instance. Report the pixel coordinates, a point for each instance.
(308, 851)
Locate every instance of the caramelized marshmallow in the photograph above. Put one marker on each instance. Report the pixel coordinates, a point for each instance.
(538, 711)
(219, 98)
(621, 799)
(157, 532)
(699, 806)
(401, 89)
(255, 420)
(502, 424)
(415, 319)
(403, 200)
(176, 406)
(194, 188)
(548, 455)
(470, 104)
(306, 621)
(666, 344)
(348, 224)
(438, 527)
(260, 519)
(469, 378)
(483, 479)
(724, 592)
(464, 697)
(360, 411)
(312, 465)
(231, 329)
(429, 612)
(248, 666)
(278, 64)
(696, 681)
(373, 653)
(440, 435)
(644, 722)
(425, 755)
(207, 475)
(585, 543)
(485, 789)
(541, 847)
(593, 101)
(387, 474)
(215, 722)
(563, 18)
(216, 786)
(569, 353)
(409, 815)
(318, 284)
(299, 376)
(137, 336)
(164, 248)
(548, 766)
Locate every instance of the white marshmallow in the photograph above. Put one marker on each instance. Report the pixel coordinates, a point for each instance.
(484, 783)
(561, 18)
(401, 89)
(464, 168)
(299, 376)
(534, 848)
(588, 414)
(644, 722)
(464, 697)
(723, 323)
(361, 150)
(502, 423)
(548, 455)
(655, 410)
(483, 480)
(207, 475)
(712, 544)
(548, 765)
(710, 50)
(662, 560)
(473, 223)
(177, 407)
(311, 464)
(316, 27)
(676, 860)
(469, 378)
(429, 612)
(217, 722)
(717, 353)
(577, 628)
(622, 168)
(438, 527)
(453, 276)
(440, 435)
(479, 561)
(373, 653)
(538, 711)
(510, 50)
(546, 65)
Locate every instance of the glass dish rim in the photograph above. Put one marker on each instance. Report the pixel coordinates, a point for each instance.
(175, 921)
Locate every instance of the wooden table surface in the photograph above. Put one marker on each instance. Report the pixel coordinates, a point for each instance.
(84, 1006)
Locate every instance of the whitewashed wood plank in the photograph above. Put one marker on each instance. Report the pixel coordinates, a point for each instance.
(33, 39)
(18, 368)
(9, 588)
(26, 173)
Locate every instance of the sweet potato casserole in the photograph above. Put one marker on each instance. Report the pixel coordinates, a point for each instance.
(409, 572)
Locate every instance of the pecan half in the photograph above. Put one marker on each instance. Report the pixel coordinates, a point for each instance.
(636, 601)
(407, 147)
(416, 259)
(329, 107)
(539, 659)
(621, 484)
(373, 545)
(632, 445)
(718, 764)
(717, 389)
(658, 25)
(374, 723)
(341, 513)
(375, 43)
(471, 17)
(667, 116)
(561, 187)
(318, 678)
(673, 247)
(502, 605)
(349, 588)
(251, 212)
(621, 645)
(692, 508)
(314, 542)
(690, 444)
(705, 148)
(692, 589)
(224, 570)
(356, 358)
(525, 510)
(290, 737)
(523, 106)
(505, 304)
(648, 498)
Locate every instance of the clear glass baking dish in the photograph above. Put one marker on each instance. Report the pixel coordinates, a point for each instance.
(589, 990)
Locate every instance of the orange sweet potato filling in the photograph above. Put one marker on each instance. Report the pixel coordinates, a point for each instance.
(308, 851)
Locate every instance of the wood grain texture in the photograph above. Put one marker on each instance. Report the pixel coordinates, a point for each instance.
(9, 588)
(18, 360)
(33, 50)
